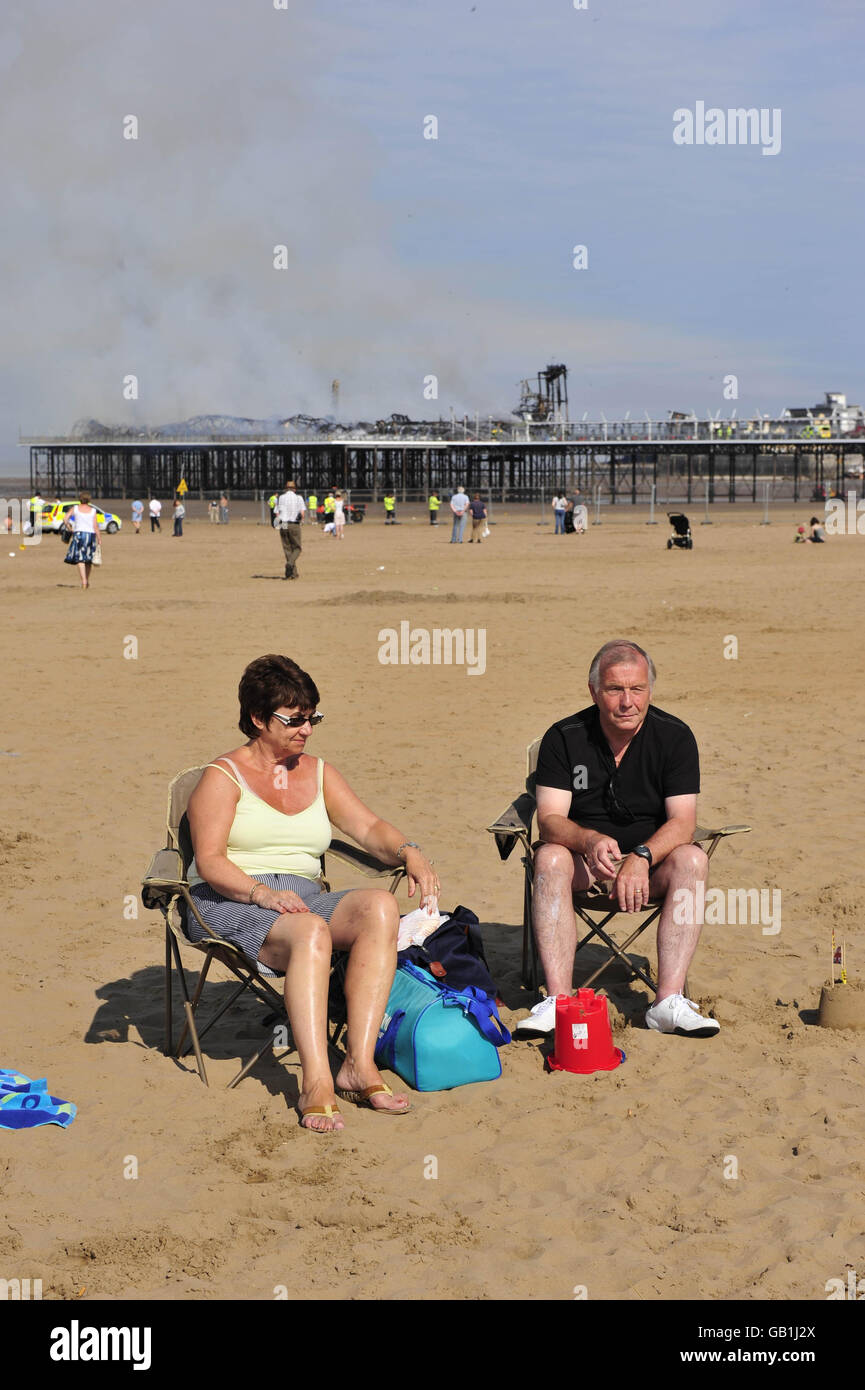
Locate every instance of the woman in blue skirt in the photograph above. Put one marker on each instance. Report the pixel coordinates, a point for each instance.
(81, 521)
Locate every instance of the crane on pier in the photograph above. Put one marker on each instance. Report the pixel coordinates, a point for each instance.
(548, 400)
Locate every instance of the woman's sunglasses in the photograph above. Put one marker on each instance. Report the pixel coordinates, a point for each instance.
(297, 721)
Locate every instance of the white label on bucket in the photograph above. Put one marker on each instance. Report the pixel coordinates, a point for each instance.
(580, 1031)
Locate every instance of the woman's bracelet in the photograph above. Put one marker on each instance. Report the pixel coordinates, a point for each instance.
(252, 891)
(407, 844)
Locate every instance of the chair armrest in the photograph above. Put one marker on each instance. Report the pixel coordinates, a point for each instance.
(701, 833)
(714, 837)
(164, 878)
(514, 824)
(165, 867)
(362, 860)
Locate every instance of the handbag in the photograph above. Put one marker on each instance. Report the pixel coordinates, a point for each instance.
(97, 556)
(454, 953)
(436, 1038)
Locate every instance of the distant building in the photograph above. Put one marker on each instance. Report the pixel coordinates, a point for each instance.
(834, 411)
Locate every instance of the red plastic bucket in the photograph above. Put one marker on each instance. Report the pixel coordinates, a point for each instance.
(584, 1038)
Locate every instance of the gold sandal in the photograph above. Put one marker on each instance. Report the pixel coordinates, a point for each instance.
(327, 1110)
(364, 1097)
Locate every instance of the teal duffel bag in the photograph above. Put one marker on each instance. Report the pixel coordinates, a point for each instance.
(436, 1038)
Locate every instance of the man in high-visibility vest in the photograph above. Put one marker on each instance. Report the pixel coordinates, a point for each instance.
(271, 502)
(389, 509)
(434, 504)
(35, 505)
(312, 507)
(329, 507)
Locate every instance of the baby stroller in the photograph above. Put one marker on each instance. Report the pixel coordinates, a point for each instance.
(681, 531)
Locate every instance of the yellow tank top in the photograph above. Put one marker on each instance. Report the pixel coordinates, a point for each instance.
(263, 840)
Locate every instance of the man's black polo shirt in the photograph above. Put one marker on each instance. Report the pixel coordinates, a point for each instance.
(626, 803)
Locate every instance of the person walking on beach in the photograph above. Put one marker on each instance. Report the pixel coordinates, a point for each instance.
(179, 514)
(137, 514)
(85, 542)
(459, 507)
(223, 510)
(434, 504)
(155, 509)
(338, 516)
(560, 506)
(289, 512)
(312, 508)
(213, 511)
(389, 509)
(479, 517)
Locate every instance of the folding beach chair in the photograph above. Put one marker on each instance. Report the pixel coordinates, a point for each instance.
(165, 889)
(596, 910)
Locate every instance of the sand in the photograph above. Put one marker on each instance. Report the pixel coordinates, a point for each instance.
(711, 1169)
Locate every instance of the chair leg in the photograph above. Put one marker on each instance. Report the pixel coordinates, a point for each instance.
(617, 951)
(529, 967)
(172, 949)
(169, 1044)
(247, 1067)
(647, 979)
(220, 1011)
(190, 1023)
(195, 998)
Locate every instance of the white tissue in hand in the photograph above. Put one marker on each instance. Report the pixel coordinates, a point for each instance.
(416, 926)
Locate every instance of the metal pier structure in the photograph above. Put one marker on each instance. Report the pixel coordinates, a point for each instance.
(508, 470)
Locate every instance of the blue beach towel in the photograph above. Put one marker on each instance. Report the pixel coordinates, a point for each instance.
(25, 1103)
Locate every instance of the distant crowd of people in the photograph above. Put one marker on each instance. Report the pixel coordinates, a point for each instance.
(82, 523)
(217, 510)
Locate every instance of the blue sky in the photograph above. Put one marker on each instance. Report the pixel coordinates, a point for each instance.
(410, 256)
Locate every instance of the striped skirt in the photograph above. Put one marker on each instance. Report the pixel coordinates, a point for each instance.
(244, 924)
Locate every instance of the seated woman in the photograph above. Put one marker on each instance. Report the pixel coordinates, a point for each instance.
(260, 819)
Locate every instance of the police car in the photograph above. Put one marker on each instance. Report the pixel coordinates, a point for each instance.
(53, 517)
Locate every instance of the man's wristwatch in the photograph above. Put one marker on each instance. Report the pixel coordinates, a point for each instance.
(644, 853)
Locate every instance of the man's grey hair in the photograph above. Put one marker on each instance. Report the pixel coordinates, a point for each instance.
(619, 650)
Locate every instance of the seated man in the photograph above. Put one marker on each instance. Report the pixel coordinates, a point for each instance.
(617, 788)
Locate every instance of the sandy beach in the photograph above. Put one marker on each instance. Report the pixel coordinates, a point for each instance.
(546, 1182)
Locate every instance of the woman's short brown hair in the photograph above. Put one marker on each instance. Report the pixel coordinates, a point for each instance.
(267, 683)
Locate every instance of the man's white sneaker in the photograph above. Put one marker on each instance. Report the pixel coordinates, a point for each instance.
(676, 1014)
(541, 1020)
